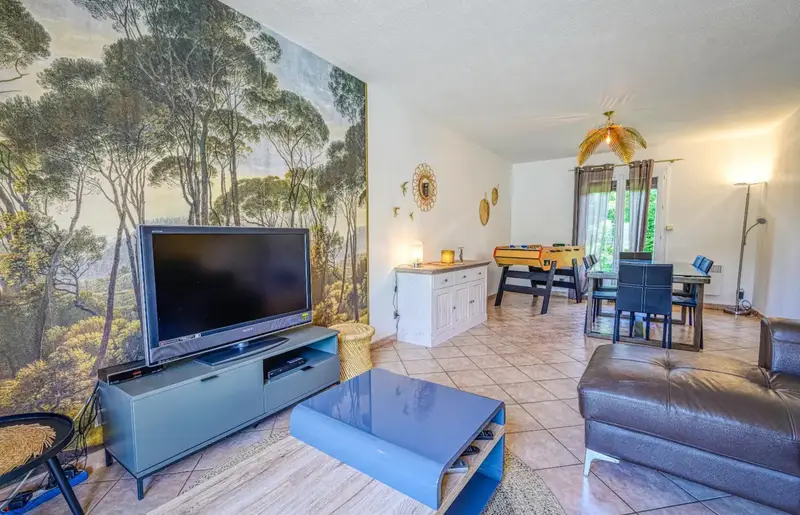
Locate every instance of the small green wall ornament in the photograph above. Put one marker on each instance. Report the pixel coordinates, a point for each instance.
(395, 211)
(411, 216)
(404, 187)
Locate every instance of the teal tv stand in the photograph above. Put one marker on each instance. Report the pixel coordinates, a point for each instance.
(154, 421)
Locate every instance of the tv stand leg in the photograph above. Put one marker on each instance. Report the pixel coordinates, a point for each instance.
(140, 488)
(109, 458)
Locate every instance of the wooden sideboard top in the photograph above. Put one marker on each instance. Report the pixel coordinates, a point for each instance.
(440, 268)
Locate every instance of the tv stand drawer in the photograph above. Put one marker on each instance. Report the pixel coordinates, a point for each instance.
(186, 416)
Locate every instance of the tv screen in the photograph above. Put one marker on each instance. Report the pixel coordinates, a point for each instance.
(207, 287)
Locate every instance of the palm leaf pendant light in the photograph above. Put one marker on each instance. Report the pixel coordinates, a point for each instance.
(622, 140)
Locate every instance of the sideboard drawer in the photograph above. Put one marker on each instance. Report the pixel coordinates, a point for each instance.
(443, 280)
(470, 274)
(464, 276)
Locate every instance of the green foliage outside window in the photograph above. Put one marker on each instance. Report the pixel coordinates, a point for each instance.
(650, 235)
(607, 253)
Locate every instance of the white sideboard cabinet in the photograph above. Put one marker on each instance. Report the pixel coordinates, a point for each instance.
(436, 302)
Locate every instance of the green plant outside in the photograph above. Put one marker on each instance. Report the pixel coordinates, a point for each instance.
(607, 254)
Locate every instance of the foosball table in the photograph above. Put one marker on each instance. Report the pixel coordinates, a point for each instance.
(543, 264)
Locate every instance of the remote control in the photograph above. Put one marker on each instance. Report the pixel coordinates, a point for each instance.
(458, 467)
(471, 450)
(486, 434)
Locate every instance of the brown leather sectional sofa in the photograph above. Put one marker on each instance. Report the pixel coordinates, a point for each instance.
(713, 420)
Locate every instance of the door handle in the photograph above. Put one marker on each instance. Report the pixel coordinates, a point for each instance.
(209, 378)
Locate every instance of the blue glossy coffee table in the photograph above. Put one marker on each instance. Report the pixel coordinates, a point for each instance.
(406, 433)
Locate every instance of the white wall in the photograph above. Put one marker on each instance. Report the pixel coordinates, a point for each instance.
(541, 204)
(703, 205)
(777, 286)
(400, 138)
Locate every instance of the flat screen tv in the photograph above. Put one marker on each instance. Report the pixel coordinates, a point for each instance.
(206, 288)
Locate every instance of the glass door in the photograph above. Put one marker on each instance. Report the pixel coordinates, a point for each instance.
(609, 251)
(615, 239)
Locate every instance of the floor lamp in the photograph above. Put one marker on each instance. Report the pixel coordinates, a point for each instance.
(740, 308)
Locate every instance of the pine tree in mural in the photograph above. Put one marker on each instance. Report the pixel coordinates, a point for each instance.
(180, 112)
(23, 41)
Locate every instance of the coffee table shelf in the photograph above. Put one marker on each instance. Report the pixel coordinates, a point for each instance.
(456, 485)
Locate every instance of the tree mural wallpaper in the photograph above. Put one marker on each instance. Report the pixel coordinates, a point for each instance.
(115, 113)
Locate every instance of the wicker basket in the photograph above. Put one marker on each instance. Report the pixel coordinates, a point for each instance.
(354, 342)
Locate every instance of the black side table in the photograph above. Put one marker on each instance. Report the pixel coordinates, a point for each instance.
(64, 430)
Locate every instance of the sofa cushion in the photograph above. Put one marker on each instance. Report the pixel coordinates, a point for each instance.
(716, 404)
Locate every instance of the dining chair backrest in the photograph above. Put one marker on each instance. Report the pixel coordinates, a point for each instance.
(705, 265)
(592, 259)
(636, 256)
(699, 259)
(644, 288)
(587, 262)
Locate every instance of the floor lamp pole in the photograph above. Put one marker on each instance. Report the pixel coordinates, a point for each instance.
(737, 309)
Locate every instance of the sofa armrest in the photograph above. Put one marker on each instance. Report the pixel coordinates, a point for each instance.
(780, 345)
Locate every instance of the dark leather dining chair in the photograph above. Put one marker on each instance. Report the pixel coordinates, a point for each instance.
(600, 292)
(635, 256)
(644, 288)
(587, 264)
(686, 290)
(705, 265)
(687, 298)
(591, 260)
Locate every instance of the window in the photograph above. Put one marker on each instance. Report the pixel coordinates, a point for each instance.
(614, 235)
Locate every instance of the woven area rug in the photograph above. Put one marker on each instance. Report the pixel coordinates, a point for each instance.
(522, 491)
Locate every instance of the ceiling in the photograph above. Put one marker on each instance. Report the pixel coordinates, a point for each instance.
(528, 78)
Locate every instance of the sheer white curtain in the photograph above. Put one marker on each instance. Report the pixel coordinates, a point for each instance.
(592, 191)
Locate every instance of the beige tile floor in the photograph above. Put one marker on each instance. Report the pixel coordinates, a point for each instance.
(531, 362)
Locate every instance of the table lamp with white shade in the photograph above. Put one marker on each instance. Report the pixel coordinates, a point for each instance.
(416, 253)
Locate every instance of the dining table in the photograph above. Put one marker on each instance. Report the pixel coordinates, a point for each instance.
(682, 273)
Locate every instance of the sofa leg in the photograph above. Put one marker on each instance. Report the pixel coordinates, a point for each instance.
(594, 455)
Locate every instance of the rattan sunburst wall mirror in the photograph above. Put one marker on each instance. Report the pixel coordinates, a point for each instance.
(424, 186)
